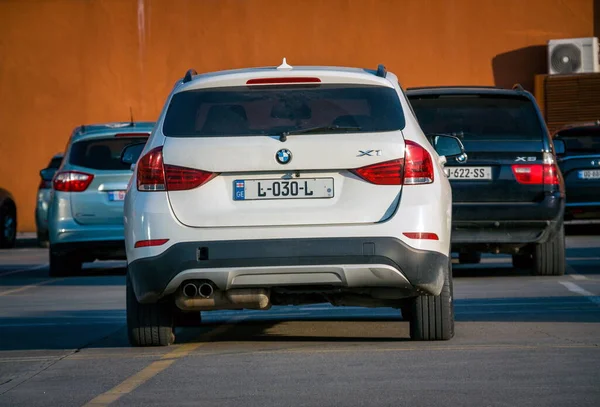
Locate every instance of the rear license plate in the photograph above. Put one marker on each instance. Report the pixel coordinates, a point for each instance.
(470, 173)
(116, 195)
(305, 188)
(589, 174)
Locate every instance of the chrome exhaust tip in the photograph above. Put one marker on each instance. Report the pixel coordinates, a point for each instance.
(190, 290)
(206, 290)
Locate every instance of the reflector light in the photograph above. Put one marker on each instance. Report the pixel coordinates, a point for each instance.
(150, 243)
(72, 181)
(421, 235)
(281, 81)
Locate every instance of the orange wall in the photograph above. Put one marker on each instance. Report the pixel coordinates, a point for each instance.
(68, 62)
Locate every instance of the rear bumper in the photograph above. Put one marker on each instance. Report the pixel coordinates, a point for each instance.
(507, 223)
(342, 262)
(494, 232)
(69, 231)
(582, 213)
(92, 250)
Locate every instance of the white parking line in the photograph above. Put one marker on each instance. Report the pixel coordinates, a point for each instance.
(573, 274)
(581, 291)
(38, 267)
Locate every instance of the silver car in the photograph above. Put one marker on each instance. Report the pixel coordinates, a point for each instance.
(43, 199)
(85, 218)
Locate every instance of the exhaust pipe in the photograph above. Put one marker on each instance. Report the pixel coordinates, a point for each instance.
(190, 290)
(235, 299)
(205, 290)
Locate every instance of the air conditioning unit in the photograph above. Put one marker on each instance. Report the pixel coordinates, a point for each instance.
(573, 55)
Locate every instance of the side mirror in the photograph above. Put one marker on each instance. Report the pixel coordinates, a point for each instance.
(559, 147)
(47, 174)
(131, 153)
(448, 146)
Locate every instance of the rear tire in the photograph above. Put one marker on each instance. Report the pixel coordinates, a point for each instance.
(63, 265)
(432, 317)
(469, 258)
(148, 324)
(549, 257)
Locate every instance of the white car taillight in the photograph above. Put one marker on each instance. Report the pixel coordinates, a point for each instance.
(154, 175)
(415, 168)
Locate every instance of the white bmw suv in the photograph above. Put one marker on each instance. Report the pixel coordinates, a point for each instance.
(284, 186)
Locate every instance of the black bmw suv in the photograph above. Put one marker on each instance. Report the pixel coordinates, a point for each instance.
(508, 194)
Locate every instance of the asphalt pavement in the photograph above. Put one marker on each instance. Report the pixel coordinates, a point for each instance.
(520, 341)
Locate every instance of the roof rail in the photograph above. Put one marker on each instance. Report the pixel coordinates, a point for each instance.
(517, 86)
(453, 87)
(189, 74)
(381, 71)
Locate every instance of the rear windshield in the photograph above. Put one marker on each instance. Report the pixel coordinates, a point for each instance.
(102, 153)
(479, 116)
(581, 140)
(272, 110)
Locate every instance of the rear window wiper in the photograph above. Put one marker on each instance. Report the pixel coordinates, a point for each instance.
(318, 129)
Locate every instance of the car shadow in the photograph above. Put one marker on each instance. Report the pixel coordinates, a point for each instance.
(76, 329)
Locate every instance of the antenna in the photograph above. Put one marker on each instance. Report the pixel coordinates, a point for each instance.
(284, 66)
(131, 114)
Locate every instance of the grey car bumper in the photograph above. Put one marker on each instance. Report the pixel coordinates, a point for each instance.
(344, 262)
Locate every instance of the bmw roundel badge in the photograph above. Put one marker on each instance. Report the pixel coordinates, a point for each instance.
(283, 156)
